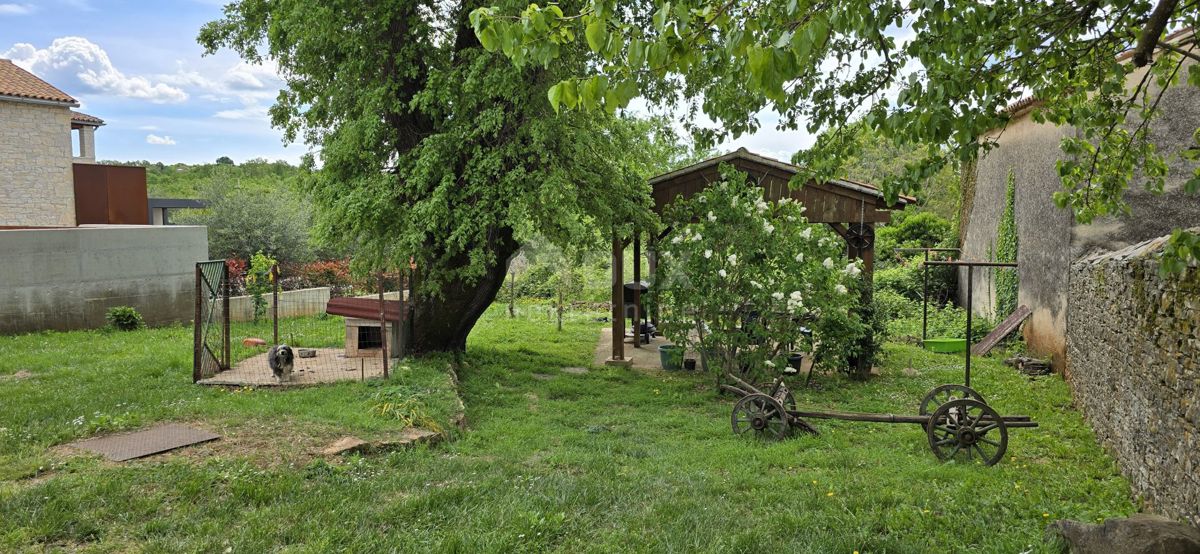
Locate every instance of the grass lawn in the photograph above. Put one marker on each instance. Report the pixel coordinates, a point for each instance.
(614, 460)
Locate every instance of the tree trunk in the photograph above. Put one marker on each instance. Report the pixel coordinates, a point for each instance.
(512, 294)
(442, 324)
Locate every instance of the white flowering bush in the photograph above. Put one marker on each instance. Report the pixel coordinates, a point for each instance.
(738, 277)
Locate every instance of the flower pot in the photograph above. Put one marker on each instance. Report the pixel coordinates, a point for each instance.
(689, 364)
(795, 360)
(671, 356)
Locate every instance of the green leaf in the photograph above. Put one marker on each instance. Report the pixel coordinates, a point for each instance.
(660, 17)
(555, 94)
(596, 33)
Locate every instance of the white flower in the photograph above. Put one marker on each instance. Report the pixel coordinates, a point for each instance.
(841, 288)
(722, 273)
(785, 201)
(708, 253)
(769, 363)
(703, 199)
(828, 263)
(852, 269)
(803, 209)
(777, 295)
(800, 257)
(732, 259)
(697, 237)
(806, 233)
(760, 205)
(768, 228)
(711, 216)
(756, 284)
(677, 239)
(795, 295)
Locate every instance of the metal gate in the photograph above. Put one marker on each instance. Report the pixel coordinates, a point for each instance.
(211, 353)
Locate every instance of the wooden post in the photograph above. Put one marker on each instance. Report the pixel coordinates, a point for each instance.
(652, 267)
(383, 334)
(637, 289)
(618, 300)
(275, 303)
(198, 323)
(402, 324)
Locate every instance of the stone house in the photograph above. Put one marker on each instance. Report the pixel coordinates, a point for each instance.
(1049, 238)
(74, 234)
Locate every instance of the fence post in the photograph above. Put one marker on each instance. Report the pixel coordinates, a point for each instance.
(196, 329)
(275, 303)
(383, 334)
(225, 288)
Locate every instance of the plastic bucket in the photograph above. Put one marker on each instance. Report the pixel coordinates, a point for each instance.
(671, 356)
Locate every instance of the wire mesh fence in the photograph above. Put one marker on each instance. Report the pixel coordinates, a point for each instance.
(313, 335)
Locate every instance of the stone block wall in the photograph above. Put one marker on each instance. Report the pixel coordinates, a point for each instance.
(1133, 346)
(36, 187)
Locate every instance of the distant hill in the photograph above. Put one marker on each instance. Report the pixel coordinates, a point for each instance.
(192, 180)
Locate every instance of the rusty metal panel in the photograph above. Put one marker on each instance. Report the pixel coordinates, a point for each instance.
(162, 438)
(110, 194)
(363, 308)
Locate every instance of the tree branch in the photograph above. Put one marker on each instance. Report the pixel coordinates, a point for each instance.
(1159, 18)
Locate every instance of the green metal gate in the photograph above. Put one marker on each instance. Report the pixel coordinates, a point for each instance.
(211, 353)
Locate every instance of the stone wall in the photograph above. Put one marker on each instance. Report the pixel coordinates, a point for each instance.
(1134, 361)
(35, 166)
(67, 278)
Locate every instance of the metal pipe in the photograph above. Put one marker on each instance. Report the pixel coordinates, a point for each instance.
(925, 297)
(970, 278)
(275, 303)
(965, 263)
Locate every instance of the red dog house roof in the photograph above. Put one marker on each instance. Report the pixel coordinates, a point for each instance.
(363, 308)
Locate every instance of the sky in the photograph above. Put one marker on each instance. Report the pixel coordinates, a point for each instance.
(136, 65)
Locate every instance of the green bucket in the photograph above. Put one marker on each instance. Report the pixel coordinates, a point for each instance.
(671, 356)
(945, 346)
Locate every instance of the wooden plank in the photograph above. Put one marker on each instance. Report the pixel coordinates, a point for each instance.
(1005, 328)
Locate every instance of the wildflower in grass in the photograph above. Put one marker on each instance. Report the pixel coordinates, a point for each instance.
(711, 217)
(722, 273)
(708, 253)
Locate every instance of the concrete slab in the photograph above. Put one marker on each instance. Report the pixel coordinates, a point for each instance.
(328, 366)
(645, 357)
(162, 438)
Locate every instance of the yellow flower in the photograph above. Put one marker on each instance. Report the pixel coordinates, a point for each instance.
(830, 493)
(1045, 514)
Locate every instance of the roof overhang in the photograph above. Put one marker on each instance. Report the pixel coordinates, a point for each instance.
(38, 101)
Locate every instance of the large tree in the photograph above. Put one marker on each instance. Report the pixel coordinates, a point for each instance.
(939, 73)
(431, 148)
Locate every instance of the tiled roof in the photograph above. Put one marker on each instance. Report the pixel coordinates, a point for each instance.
(85, 119)
(18, 83)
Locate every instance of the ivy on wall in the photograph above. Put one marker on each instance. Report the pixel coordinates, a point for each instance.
(1006, 251)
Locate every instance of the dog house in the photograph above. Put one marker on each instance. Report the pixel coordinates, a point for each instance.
(364, 332)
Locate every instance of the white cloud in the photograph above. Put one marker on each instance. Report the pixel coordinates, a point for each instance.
(163, 141)
(76, 62)
(249, 112)
(16, 9)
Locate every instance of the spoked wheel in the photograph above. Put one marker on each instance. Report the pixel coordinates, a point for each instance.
(967, 430)
(762, 415)
(942, 394)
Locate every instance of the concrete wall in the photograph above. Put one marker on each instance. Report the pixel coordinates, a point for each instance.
(292, 303)
(1134, 361)
(1049, 238)
(68, 278)
(1030, 152)
(35, 166)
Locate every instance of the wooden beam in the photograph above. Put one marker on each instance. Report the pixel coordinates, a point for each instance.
(637, 291)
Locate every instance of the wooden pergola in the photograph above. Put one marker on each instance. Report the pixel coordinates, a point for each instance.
(851, 208)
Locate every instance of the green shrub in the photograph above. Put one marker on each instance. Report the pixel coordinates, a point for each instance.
(913, 230)
(124, 318)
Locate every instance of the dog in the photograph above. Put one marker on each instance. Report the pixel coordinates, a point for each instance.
(281, 359)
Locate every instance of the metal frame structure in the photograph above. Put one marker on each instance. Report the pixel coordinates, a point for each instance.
(212, 290)
(970, 280)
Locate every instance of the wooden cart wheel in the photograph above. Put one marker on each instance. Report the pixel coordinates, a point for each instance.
(942, 394)
(762, 415)
(967, 429)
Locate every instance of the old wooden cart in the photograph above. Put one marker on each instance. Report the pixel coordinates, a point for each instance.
(957, 421)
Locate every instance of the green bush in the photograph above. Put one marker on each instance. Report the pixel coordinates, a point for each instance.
(905, 279)
(913, 230)
(124, 318)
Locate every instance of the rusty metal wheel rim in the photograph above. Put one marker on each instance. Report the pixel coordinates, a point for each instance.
(761, 414)
(967, 430)
(942, 394)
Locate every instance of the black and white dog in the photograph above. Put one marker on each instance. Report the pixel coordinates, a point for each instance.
(280, 358)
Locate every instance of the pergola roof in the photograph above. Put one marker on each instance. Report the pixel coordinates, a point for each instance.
(833, 201)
